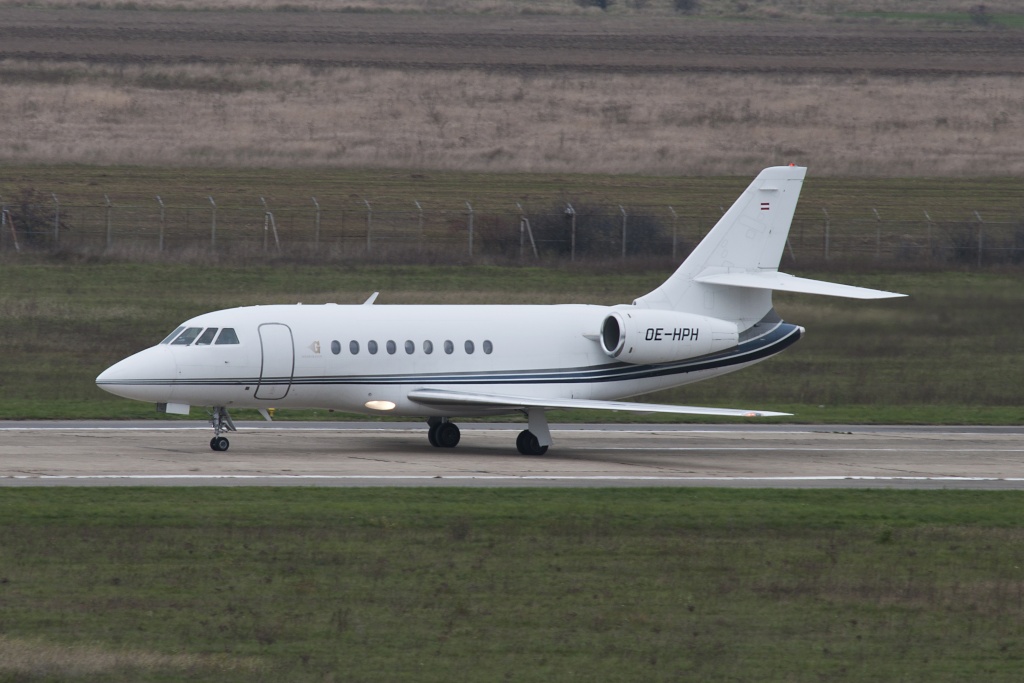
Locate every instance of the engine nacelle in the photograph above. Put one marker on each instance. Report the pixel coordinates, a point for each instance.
(640, 335)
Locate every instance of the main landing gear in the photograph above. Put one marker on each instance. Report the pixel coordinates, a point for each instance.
(221, 422)
(528, 444)
(443, 433)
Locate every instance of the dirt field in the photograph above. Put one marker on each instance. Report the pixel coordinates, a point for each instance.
(588, 93)
(543, 44)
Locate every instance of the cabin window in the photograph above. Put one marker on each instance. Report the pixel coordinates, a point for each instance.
(353, 347)
(206, 338)
(488, 346)
(428, 347)
(469, 347)
(335, 347)
(410, 348)
(391, 347)
(227, 336)
(371, 346)
(188, 336)
(449, 348)
(172, 335)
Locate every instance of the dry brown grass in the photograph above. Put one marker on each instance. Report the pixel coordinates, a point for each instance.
(821, 9)
(286, 116)
(52, 661)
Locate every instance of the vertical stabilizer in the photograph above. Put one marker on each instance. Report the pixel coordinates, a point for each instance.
(749, 238)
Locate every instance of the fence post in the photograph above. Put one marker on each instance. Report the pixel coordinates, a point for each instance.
(6, 214)
(369, 226)
(878, 236)
(470, 207)
(269, 222)
(571, 213)
(981, 236)
(525, 222)
(623, 232)
(107, 220)
(162, 217)
(675, 219)
(213, 224)
(316, 224)
(828, 222)
(929, 221)
(56, 220)
(419, 209)
(266, 223)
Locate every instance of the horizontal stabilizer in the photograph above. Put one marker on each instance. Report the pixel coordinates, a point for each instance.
(456, 399)
(781, 282)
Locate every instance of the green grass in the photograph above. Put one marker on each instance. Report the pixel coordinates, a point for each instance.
(291, 189)
(989, 18)
(443, 585)
(948, 354)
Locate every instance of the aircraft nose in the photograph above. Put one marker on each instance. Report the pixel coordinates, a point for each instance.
(146, 376)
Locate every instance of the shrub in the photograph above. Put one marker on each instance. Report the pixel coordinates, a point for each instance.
(980, 15)
(33, 215)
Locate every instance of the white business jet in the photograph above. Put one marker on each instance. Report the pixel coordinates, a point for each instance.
(714, 315)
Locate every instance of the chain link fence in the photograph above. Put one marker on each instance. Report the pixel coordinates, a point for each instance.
(462, 233)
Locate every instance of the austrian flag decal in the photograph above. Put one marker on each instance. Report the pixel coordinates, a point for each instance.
(764, 206)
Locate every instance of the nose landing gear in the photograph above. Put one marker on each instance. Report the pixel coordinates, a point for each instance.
(221, 422)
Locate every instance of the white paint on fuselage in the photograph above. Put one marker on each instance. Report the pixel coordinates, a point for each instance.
(531, 346)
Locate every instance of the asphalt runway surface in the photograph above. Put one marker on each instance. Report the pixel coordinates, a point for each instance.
(156, 453)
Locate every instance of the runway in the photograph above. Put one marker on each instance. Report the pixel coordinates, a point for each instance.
(159, 453)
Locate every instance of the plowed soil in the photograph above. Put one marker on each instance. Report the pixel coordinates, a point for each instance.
(522, 44)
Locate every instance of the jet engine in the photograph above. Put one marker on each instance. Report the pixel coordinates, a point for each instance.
(640, 335)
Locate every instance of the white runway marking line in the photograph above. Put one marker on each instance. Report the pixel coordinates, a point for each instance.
(537, 477)
(808, 449)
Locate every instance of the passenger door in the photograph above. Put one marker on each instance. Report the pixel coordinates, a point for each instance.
(278, 361)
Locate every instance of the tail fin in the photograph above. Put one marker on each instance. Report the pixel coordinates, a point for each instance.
(730, 275)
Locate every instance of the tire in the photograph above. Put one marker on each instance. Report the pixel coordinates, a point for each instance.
(528, 444)
(219, 443)
(448, 435)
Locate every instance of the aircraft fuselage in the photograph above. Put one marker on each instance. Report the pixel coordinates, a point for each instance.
(368, 359)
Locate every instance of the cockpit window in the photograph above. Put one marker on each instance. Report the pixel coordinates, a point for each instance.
(188, 336)
(172, 335)
(207, 336)
(227, 336)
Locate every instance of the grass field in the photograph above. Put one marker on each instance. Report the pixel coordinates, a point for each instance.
(948, 354)
(288, 191)
(691, 123)
(637, 89)
(936, 11)
(422, 585)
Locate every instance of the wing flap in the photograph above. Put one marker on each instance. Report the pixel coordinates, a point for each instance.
(781, 282)
(455, 399)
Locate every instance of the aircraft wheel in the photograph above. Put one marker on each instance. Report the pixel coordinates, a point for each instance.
(447, 435)
(432, 436)
(528, 444)
(219, 443)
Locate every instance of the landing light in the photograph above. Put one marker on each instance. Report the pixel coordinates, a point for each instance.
(380, 405)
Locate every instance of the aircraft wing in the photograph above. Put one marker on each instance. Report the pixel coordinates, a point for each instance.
(456, 399)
